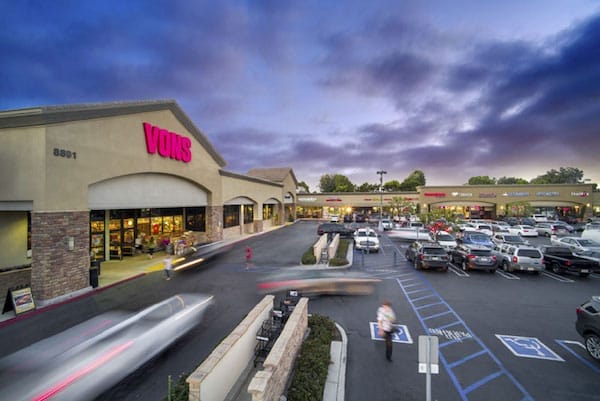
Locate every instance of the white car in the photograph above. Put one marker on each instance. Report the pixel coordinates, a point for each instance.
(523, 231)
(484, 228)
(334, 218)
(576, 244)
(446, 240)
(365, 239)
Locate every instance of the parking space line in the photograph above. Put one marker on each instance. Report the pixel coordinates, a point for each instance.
(558, 277)
(457, 271)
(437, 315)
(448, 325)
(483, 381)
(563, 343)
(424, 297)
(507, 275)
(467, 358)
(428, 305)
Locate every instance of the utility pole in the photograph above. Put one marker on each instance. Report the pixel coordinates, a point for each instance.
(381, 173)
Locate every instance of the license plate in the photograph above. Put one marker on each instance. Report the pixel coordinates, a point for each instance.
(530, 268)
(485, 259)
(435, 258)
(585, 271)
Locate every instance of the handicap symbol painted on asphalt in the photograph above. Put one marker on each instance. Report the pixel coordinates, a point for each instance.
(528, 347)
(401, 335)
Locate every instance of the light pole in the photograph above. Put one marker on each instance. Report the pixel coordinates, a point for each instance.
(381, 173)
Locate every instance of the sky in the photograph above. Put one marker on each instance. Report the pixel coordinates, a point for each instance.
(455, 88)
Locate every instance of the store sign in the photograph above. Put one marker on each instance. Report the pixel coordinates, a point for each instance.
(333, 200)
(435, 194)
(580, 194)
(462, 194)
(516, 194)
(547, 194)
(167, 144)
(303, 199)
(487, 195)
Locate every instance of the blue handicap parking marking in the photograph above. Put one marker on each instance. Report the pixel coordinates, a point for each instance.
(528, 347)
(401, 335)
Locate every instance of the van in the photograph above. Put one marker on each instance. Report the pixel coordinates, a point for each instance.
(540, 218)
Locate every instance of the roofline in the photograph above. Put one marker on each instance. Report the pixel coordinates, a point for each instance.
(60, 114)
(249, 178)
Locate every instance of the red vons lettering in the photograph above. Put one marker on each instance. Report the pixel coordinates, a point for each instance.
(168, 144)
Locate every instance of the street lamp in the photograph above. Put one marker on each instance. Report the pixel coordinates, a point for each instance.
(381, 173)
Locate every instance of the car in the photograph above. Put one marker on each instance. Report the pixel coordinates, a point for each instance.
(365, 239)
(508, 238)
(334, 218)
(539, 218)
(335, 228)
(523, 230)
(484, 228)
(519, 257)
(347, 218)
(474, 257)
(512, 221)
(386, 224)
(313, 282)
(528, 221)
(550, 229)
(588, 325)
(567, 226)
(427, 255)
(476, 238)
(360, 218)
(446, 240)
(576, 244)
(591, 255)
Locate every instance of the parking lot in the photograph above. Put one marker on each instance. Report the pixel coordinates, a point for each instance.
(503, 336)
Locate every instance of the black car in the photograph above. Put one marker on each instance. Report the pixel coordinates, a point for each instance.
(334, 228)
(588, 325)
(360, 218)
(471, 256)
(427, 255)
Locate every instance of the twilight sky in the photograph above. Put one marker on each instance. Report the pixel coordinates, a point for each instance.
(456, 88)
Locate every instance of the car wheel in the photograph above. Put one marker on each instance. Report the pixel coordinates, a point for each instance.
(592, 344)
(464, 265)
(505, 266)
(556, 268)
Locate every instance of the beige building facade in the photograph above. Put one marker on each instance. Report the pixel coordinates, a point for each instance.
(86, 182)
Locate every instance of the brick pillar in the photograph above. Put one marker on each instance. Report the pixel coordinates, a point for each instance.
(214, 223)
(57, 270)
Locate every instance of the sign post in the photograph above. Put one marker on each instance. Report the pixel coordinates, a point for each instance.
(428, 360)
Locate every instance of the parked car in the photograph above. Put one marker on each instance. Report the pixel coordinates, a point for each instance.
(427, 255)
(386, 224)
(347, 218)
(576, 244)
(446, 240)
(523, 230)
(594, 256)
(334, 218)
(528, 221)
(519, 257)
(539, 218)
(560, 259)
(512, 221)
(484, 228)
(591, 231)
(360, 218)
(567, 226)
(475, 238)
(588, 325)
(335, 228)
(471, 256)
(550, 229)
(366, 239)
(508, 238)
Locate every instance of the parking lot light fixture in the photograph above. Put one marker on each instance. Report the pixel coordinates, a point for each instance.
(381, 173)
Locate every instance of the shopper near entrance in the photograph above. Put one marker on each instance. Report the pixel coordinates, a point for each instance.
(248, 258)
(151, 246)
(385, 323)
(168, 264)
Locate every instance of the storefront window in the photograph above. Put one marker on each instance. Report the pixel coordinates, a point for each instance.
(248, 214)
(156, 225)
(97, 234)
(267, 211)
(195, 219)
(143, 226)
(231, 216)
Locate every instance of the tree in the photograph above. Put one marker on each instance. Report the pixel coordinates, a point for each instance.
(565, 175)
(511, 181)
(401, 206)
(482, 180)
(415, 179)
(302, 188)
(366, 187)
(335, 183)
(390, 186)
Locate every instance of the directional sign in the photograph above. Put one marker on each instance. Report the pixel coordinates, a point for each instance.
(401, 335)
(528, 347)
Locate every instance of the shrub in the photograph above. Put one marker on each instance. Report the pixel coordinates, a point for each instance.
(312, 363)
(309, 257)
(340, 255)
(179, 390)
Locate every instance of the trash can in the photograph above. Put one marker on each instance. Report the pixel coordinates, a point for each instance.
(94, 276)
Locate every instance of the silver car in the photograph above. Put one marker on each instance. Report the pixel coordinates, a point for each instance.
(523, 258)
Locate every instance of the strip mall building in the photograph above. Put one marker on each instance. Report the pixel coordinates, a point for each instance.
(85, 181)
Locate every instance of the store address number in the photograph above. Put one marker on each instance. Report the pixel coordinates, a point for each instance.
(64, 153)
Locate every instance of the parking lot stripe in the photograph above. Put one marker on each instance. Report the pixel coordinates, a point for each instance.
(563, 343)
(424, 297)
(437, 315)
(558, 277)
(483, 381)
(467, 358)
(428, 305)
(448, 325)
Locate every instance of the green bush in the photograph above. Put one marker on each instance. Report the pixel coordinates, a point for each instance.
(312, 363)
(340, 255)
(179, 390)
(309, 257)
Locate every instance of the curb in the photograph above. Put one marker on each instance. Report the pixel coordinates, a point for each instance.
(336, 374)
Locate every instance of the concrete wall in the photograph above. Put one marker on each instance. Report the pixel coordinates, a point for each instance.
(335, 242)
(319, 246)
(216, 376)
(269, 384)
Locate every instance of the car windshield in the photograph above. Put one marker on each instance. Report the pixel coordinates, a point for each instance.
(588, 242)
(481, 237)
(434, 251)
(513, 238)
(480, 252)
(527, 227)
(445, 237)
(529, 253)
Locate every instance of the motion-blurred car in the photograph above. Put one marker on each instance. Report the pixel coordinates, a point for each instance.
(310, 282)
(523, 230)
(588, 325)
(335, 228)
(576, 244)
(427, 255)
(365, 239)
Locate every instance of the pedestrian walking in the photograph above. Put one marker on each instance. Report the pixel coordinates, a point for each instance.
(168, 263)
(385, 323)
(248, 257)
(151, 246)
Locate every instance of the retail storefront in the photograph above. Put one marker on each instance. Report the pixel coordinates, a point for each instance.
(104, 181)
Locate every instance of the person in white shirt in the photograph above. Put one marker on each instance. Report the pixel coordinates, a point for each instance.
(168, 263)
(385, 323)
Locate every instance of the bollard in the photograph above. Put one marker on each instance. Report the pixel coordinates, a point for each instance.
(169, 389)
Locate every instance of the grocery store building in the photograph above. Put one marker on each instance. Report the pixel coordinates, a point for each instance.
(84, 182)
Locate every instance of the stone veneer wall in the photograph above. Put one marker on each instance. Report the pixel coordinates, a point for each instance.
(56, 270)
(214, 223)
(269, 384)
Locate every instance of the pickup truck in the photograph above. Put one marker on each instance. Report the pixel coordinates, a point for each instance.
(560, 259)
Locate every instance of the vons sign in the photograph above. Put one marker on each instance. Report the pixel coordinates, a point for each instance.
(167, 144)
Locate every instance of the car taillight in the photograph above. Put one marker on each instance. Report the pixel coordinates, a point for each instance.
(543, 261)
(422, 257)
(515, 259)
(568, 263)
(579, 311)
(554, 231)
(470, 256)
(493, 257)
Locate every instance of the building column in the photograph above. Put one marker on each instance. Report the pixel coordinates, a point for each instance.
(214, 223)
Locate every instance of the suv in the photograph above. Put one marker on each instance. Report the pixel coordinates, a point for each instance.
(508, 238)
(550, 229)
(366, 239)
(427, 255)
(526, 258)
(588, 325)
(334, 228)
(475, 238)
(471, 256)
